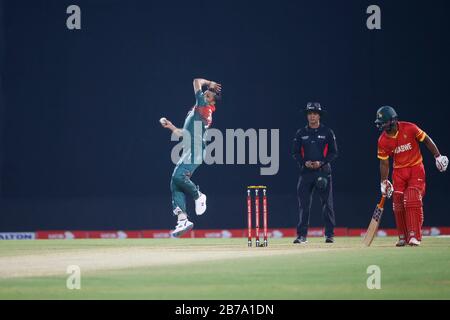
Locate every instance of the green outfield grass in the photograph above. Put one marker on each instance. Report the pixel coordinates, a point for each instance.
(223, 269)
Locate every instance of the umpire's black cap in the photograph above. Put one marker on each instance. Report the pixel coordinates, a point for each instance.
(314, 107)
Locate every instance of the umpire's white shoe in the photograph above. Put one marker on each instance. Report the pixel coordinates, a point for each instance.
(414, 242)
(200, 204)
(182, 227)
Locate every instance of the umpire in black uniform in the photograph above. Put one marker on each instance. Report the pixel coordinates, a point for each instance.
(314, 148)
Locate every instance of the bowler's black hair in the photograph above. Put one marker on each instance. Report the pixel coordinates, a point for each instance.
(217, 94)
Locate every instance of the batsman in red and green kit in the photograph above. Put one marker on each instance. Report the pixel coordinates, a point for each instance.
(401, 141)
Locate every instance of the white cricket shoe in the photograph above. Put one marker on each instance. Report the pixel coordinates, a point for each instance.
(401, 243)
(414, 242)
(182, 227)
(200, 204)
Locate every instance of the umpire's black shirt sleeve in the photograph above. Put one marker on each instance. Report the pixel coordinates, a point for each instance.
(332, 147)
(296, 148)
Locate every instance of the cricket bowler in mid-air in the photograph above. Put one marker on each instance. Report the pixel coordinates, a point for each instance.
(181, 183)
(400, 140)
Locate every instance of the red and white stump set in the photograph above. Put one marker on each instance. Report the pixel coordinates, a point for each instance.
(257, 190)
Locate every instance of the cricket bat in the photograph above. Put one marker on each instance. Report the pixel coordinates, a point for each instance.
(374, 223)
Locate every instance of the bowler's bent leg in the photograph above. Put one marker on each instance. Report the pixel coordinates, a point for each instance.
(181, 178)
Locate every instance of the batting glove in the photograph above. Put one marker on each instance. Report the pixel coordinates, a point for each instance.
(442, 163)
(387, 188)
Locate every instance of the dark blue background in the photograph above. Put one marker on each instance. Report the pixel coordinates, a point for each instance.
(81, 146)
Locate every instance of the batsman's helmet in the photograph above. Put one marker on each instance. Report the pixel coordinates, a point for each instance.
(386, 118)
(314, 107)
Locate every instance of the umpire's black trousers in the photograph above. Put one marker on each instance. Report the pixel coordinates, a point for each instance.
(305, 190)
